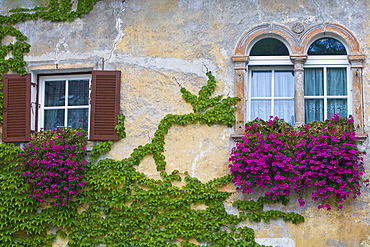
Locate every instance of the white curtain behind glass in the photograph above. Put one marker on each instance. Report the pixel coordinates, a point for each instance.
(336, 85)
(284, 87)
(272, 94)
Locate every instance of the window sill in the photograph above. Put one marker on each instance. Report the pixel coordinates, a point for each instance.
(237, 136)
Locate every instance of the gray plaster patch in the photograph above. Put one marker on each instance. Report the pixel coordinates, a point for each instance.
(276, 242)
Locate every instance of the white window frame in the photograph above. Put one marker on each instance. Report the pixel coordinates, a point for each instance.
(41, 97)
(262, 63)
(284, 63)
(332, 61)
(248, 89)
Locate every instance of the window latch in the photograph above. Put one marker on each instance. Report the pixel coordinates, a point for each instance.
(32, 104)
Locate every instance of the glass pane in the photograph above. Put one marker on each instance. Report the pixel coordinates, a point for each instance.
(314, 110)
(327, 46)
(55, 93)
(78, 118)
(337, 107)
(284, 109)
(284, 84)
(269, 47)
(313, 82)
(261, 83)
(260, 109)
(78, 92)
(53, 119)
(337, 81)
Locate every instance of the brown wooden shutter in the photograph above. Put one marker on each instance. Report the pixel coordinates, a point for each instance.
(17, 108)
(105, 101)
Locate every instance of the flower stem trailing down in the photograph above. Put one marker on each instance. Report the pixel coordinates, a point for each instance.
(53, 163)
(323, 155)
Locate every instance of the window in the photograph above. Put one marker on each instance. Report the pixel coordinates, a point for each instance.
(269, 47)
(90, 101)
(271, 84)
(272, 94)
(327, 64)
(64, 102)
(326, 87)
(271, 89)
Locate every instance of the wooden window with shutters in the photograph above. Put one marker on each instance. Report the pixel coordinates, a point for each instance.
(64, 101)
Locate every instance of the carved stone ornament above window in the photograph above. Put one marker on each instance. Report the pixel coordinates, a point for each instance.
(298, 27)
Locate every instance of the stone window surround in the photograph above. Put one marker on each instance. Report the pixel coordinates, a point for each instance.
(298, 44)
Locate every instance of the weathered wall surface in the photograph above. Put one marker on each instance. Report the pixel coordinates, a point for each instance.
(158, 44)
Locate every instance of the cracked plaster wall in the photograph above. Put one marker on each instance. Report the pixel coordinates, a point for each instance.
(159, 43)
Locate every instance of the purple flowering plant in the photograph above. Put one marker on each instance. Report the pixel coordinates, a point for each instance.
(53, 164)
(278, 158)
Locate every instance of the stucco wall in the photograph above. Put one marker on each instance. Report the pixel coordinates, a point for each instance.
(160, 43)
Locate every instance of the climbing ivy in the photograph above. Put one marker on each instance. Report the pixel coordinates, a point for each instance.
(121, 206)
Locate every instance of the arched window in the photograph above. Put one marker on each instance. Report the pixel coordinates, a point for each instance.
(326, 87)
(271, 81)
(327, 46)
(298, 76)
(269, 47)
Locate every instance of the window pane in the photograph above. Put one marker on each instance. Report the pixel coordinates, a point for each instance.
(260, 109)
(327, 46)
(53, 119)
(284, 109)
(269, 47)
(314, 110)
(313, 82)
(337, 81)
(337, 107)
(55, 93)
(78, 118)
(78, 92)
(284, 84)
(261, 83)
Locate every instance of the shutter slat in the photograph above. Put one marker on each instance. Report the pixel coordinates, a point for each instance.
(17, 108)
(105, 99)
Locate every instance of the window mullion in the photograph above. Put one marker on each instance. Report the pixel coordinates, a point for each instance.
(66, 104)
(325, 94)
(273, 93)
(247, 103)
